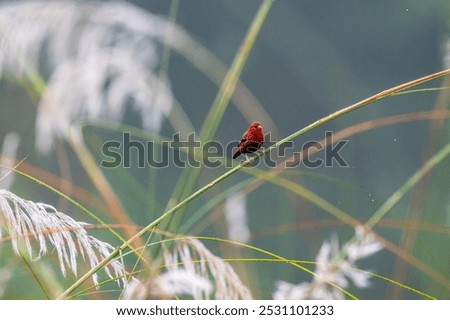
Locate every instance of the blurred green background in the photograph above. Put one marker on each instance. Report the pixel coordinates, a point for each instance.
(312, 58)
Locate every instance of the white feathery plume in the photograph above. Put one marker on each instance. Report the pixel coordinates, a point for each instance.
(288, 291)
(7, 159)
(174, 283)
(135, 290)
(183, 282)
(190, 257)
(330, 268)
(236, 217)
(24, 219)
(190, 269)
(98, 59)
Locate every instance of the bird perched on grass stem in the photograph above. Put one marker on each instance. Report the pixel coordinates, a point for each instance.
(251, 141)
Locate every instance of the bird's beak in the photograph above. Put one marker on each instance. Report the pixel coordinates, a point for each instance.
(259, 127)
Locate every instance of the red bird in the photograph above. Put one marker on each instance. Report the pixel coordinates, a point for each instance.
(251, 141)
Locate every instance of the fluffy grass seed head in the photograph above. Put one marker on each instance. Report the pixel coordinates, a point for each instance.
(95, 58)
(190, 269)
(27, 220)
(330, 268)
